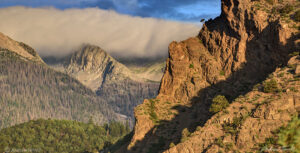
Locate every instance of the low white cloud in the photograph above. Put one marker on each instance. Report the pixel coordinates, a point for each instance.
(55, 32)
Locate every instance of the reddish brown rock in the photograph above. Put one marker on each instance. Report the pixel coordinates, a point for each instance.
(231, 54)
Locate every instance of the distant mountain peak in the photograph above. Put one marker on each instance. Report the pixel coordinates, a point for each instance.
(123, 86)
(88, 57)
(93, 66)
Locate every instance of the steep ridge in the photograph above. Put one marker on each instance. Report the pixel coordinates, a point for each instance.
(30, 90)
(19, 48)
(251, 119)
(231, 54)
(113, 82)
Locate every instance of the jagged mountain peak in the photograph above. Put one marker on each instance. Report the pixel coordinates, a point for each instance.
(18, 47)
(93, 66)
(90, 58)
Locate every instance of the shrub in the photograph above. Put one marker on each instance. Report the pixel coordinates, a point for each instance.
(281, 75)
(172, 145)
(294, 54)
(185, 134)
(152, 113)
(218, 104)
(256, 87)
(297, 16)
(270, 86)
(191, 66)
(228, 146)
(232, 127)
(219, 142)
(290, 135)
(200, 41)
(286, 9)
(28, 49)
(271, 2)
(285, 137)
(222, 73)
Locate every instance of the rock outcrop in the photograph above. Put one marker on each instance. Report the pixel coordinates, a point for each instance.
(231, 54)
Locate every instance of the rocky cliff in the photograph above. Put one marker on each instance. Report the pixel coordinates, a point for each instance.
(232, 54)
(121, 87)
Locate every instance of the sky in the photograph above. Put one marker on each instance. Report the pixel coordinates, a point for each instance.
(180, 10)
(123, 28)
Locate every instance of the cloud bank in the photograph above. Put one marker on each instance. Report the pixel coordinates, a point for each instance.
(54, 32)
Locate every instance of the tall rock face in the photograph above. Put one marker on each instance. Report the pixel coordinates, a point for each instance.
(30, 90)
(121, 87)
(231, 54)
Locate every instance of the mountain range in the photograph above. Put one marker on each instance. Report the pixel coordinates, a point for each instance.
(123, 86)
(30, 89)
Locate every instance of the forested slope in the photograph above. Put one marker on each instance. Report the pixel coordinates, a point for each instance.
(60, 136)
(31, 90)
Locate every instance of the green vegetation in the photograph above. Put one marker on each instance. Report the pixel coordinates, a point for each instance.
(271, 2)
(270, 86)
(30, 90)
(290, 135)
(286, 9)
(294, 54)
(233, 127)
(281, 75)
(286, 138)
(297, 16)
(191, 66)
(218, 104)
(152, 113)
(185, 135)
(200, 41)
(219, 142)
(172, 145)
(228, 147)
(222, 73)
(256, 87)
(61, 136)
(29, 49)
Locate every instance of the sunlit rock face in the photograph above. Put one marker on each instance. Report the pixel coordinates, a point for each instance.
(231, 54)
